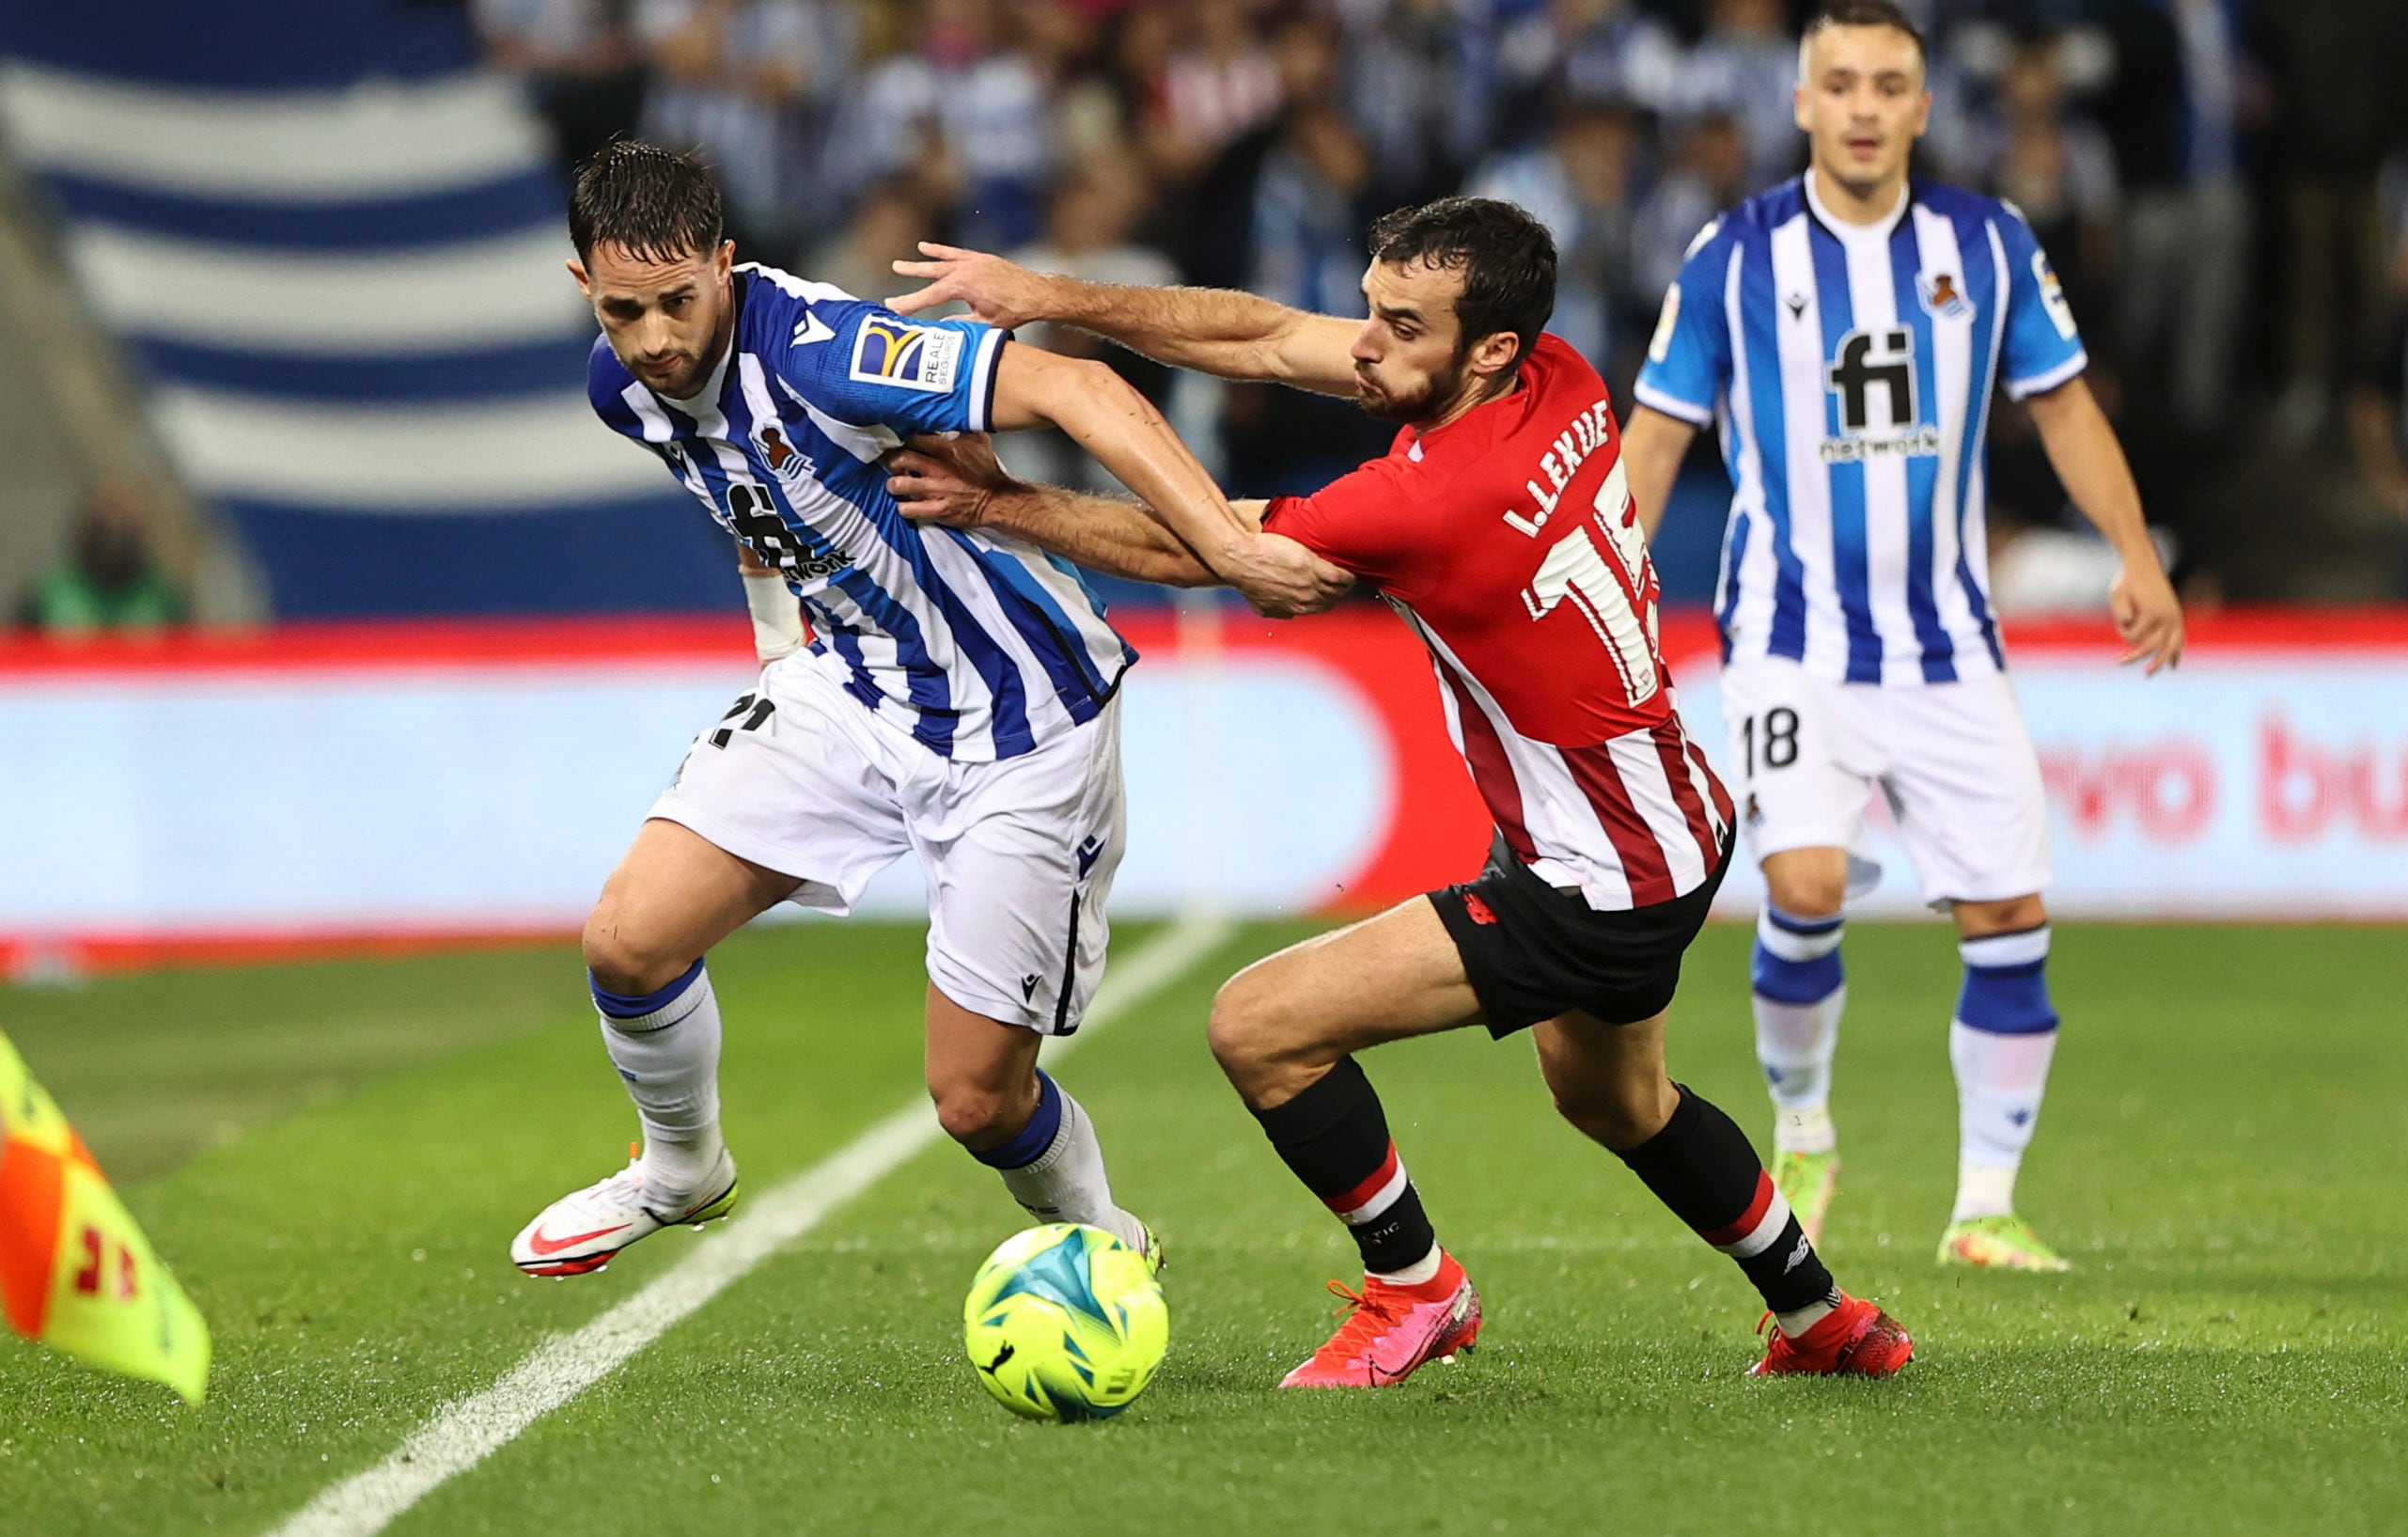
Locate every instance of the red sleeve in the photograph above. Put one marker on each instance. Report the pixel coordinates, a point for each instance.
(1358, 521)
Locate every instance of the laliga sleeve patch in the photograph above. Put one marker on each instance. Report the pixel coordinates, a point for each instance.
(1659, 346)
(921, 357)
(2061, 314)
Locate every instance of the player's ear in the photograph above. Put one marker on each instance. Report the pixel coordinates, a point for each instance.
(722, 260)
(585, 283)
(1492, 354)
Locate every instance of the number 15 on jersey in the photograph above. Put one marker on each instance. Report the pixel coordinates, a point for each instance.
(1607, 595)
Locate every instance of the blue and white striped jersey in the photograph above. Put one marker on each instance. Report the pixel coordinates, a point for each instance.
(1850, 370)
(980, 646)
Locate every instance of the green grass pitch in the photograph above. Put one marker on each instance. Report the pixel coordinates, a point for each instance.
(334, 1158)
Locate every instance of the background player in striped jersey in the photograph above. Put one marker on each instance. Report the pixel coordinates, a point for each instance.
(1499, 527)
(1845, 331)
(947, 693)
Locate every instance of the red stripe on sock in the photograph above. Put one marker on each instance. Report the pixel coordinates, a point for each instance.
(1747, 1223)
(1364, 1192)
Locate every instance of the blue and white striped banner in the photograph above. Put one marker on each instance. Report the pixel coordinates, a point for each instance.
(339, 263)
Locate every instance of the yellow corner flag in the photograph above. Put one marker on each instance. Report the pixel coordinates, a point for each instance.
(75, 1272)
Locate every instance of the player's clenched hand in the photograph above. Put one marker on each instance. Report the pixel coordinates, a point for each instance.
(1281, 579)
(997, 291)
(2147, 616)
(946, 480)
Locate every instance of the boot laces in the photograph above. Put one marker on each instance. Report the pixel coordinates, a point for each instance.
(1367, 1315)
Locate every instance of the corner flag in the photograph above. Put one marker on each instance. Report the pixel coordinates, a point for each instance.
(75, 1273)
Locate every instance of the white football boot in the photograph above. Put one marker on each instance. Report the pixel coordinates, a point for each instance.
(585, 1229)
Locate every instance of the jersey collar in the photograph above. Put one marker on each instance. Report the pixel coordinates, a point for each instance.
(1868, 233)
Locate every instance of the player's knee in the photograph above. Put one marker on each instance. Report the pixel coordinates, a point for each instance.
(1614, 1114)
(1807, 890)
(1243, 1028)
(619, 959)
(971, 1113)
(2013, 915)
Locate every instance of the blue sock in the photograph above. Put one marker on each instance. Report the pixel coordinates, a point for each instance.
(1035, 1139)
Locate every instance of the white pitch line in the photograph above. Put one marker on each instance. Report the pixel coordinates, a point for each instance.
(466, 1431)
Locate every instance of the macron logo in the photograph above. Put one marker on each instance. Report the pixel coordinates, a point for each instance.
(1089, 853)
(812, 329)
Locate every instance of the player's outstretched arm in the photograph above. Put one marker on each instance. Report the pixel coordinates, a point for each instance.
(1216, 331)
(1109, 418)
(957, 481)
(2082, 448)
(1653, 445)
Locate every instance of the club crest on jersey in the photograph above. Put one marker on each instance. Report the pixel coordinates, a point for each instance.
(1942, 298)
(784, 461)
(923, 357)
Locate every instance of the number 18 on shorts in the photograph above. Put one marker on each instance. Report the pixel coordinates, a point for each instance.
(1953, 760)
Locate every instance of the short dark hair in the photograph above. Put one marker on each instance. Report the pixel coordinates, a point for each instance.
(1506, 258)
(1867, 13)
(661, 204)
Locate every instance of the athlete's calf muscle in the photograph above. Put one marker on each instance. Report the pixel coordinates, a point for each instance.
(1278, 1024)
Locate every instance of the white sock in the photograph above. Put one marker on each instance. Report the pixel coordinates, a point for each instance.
(1423, 1269)
(2000, 1045)
(1999, 1083)
(669, 1058)
(1796, 1037)
(1064, 1181)
(1983, 1190)
(1798, 1319)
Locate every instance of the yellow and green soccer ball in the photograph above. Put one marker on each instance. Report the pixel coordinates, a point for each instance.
(1066, 1322)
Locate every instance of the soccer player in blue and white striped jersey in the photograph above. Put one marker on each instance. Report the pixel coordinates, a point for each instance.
(947, 693)
(1845, 333)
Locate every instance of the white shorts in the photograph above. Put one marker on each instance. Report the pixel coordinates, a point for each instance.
(1953, 760)
(1019, 855)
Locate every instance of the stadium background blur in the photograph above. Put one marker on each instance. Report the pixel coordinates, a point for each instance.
(349, 634)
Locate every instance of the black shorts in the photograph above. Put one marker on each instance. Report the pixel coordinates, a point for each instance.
(1533, 952)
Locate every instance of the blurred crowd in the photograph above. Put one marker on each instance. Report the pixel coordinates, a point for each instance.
(2220, 182)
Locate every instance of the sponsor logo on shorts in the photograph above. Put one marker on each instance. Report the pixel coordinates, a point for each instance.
(1028, 987)
(1089, 852)
(1481, 912)
(923, 357)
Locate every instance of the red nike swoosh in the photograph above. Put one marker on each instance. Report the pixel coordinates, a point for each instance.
(545, 1247)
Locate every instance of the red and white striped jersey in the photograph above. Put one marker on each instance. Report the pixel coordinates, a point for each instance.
(1507, 541)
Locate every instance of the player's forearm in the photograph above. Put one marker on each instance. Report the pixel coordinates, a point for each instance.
(1654, 446)
(1216, 331)
(1128, 437)
(1102, 533)
(2090, 463)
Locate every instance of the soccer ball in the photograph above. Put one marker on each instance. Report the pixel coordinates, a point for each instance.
(1066, 1322)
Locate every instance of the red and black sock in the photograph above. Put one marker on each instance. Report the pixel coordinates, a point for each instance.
(1701, 1166)
(1335, 1138)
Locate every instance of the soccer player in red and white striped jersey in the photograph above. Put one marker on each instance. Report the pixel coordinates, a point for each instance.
(1500, 528)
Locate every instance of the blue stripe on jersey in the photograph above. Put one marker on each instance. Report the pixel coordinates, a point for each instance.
(847, 645)
(1042, 623)
(862, 485)
(1981, 277)
(927, 686)
(1772, 448)
(1743, 524)
(1849, 557)
(1922, 470)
